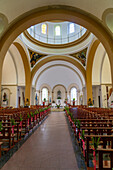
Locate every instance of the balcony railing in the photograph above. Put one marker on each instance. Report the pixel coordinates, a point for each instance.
(57, 39)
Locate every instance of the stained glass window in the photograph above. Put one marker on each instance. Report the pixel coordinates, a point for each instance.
(57, 30)
(44, 28)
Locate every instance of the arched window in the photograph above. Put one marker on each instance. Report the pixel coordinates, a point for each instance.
(57, 30)
(73, 93)
(44, 28)
(71, 28)
(44, 94)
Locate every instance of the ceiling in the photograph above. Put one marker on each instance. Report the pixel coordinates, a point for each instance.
(14, 8)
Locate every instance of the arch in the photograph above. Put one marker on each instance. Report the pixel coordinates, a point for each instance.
(26, 68)
(69, 90)
(59, 85)
(45, 86)
(58, 65)
(71, 14)
(71, 86)
(43, 14)
(9, 91)
(54, 58)
(64, 93)
(49, 91)
(89, 68)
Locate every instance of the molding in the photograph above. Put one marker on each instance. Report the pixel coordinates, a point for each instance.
(9, 84)
(106, 84)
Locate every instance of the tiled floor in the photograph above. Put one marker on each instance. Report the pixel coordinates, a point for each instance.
(49, 148)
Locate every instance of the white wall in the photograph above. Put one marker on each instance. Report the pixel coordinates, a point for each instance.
(58, 75)
(13, 76)
(9, 72)
(106, 71)
(97, 65)
(19, 65)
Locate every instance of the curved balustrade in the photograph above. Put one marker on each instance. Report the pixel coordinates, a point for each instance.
(57, 39)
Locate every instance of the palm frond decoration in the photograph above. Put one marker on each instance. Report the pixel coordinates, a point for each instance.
(28, 115)
(21, 118)
(83, 135)
(95, 142)
(78, 124)
(1, 126)
(13, 122)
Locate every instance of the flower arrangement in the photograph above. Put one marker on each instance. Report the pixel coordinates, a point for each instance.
(21, 118)
(83, 141)
(28, 115)
(90, 103)
(78, 127)
(44, 99)
(95, 143)
(13, 124)
(32, 115)
(28, 118)
(59, 97)
(58, 106)
(21, 121)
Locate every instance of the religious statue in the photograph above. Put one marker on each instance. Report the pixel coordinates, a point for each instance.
(110, 100)
(36, 99)
(4, 97)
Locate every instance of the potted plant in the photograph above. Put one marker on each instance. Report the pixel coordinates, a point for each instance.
(32, 115)
(44, 102)
(73, 101)
(66, 101)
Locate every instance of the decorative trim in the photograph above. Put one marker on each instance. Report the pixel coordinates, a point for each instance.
(34, 56)
(9, 84)
(81, 56)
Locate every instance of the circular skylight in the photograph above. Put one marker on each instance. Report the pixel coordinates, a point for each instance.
(56, 32)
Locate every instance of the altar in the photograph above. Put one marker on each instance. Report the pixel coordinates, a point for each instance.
(61, 102)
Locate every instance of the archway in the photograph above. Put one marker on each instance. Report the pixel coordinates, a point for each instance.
(71, 14)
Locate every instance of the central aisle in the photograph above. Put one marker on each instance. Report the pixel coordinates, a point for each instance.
(49, 148)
